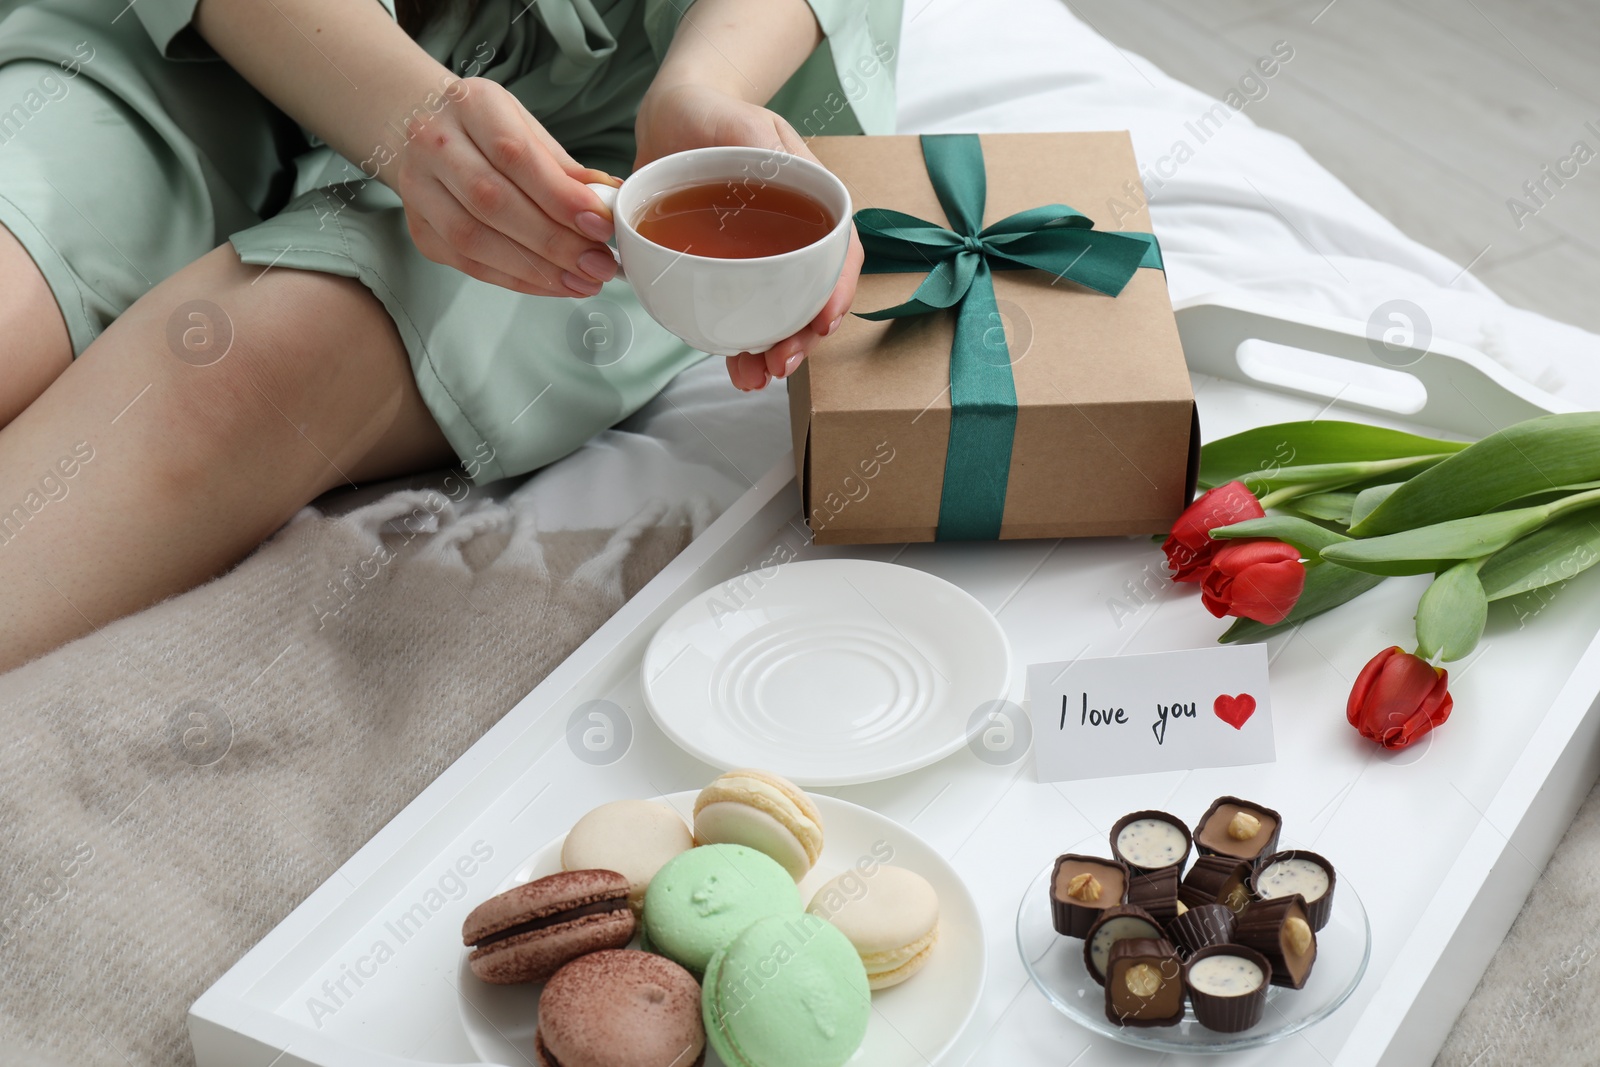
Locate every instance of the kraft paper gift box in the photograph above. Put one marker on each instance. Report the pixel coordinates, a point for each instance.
(1005, 400)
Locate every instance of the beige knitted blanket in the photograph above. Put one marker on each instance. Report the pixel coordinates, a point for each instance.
(174, 785)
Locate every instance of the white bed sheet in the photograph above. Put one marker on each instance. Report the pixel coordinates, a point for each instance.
(1251, 212)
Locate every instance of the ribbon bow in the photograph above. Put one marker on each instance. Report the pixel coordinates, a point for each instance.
(958, 260)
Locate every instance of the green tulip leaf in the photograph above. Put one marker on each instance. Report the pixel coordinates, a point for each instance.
(1549, 555)
(1303, 534)
(1451, 614)
(1326, 587)
(1338, 475)
(1549, 495)
(1529, 457)
(1431, 547)
(1266, 448)
(1330, 507)
(1368, 499)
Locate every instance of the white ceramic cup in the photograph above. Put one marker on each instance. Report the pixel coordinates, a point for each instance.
(728, 306)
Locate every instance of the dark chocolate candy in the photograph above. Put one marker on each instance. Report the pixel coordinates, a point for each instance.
(1156, 893)
(1317, 911)
(1073, 915)
(1231, 1012)
(1212, 838)
(1116, 923)
(1280, 930)
(1201, 926)
(1145, 868)
(1144, 983)
(1217, 880)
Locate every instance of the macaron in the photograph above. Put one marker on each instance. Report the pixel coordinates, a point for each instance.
(701, 899)
(890, 915)
(768, 813)
(632, 837)
(525, 934)
(620, 1008)
(787, 992)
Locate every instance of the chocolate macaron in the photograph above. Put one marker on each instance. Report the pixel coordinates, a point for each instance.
(620, 1008)
(526, 933)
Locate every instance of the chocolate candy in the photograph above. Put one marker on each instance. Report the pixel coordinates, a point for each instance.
(1144, 983)
(1217, 880)
(1281, 931)
(1081, 887)
(1150, 840)
(1227, 984)
(1115, 924)
(1238, 828)
(1297, 871)
(1200, 927)
(1156, 893)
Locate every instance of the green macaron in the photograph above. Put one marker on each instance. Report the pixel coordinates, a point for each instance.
(790, 991)
(701, 899)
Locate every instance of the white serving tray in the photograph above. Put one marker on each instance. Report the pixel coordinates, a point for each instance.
(1443, 839)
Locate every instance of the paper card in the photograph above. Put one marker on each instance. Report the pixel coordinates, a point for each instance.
(1166, 711)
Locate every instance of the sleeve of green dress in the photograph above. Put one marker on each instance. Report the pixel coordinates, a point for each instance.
(170, 24)
(847, 84)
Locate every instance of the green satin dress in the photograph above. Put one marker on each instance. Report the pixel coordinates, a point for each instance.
(127, 150)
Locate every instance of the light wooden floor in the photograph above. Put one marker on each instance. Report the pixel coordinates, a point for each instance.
(1435, 111)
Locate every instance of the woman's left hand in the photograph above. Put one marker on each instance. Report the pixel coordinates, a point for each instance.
(683, 116)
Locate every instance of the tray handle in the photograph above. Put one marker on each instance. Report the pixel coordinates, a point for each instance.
(1442, 384)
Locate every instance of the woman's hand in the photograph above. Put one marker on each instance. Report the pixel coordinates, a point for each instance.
(486, 190)
(687, 115)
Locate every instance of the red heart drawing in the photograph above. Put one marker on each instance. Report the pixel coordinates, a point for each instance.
(1235, 711)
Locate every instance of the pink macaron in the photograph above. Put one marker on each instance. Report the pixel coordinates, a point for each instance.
(525, 934)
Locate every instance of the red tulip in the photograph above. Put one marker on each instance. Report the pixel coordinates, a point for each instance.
(1257, 580)
(1398, 697)
(1190, 546)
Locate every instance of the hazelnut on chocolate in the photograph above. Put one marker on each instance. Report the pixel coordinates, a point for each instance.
(1115, 924)
(1237, 828)
(1281, 931)
(1144, 983)
(1081, 887)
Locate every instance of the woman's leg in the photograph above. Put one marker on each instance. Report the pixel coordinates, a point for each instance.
(180, 466)
(35, 348)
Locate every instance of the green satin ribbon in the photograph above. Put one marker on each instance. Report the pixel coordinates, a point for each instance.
(958, 261)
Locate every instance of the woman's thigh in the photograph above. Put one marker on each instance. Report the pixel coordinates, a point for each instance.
(36, 348)
(215, 407)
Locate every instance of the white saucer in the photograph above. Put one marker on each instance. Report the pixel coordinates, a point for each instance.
(912, 1024)
(828, 672)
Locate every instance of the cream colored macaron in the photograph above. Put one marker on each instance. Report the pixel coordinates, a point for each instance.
(891, 916)
(764, 812)
(635, 838)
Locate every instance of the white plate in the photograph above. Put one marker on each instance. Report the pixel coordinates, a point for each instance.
(1055, 964)
(912, 1024)
(829, 672)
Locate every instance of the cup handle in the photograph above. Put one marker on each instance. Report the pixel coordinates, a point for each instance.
(608, 197)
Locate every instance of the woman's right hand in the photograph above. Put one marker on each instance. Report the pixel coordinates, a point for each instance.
(488, 191)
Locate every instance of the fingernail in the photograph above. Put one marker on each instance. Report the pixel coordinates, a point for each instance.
(586, 286)
(598, 265)
(593, 225)
(834, 325)
(765, 378)
(791, 363)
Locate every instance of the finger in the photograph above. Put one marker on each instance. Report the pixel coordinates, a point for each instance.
(783, 358)
(747, 371)
(488, 243)
(502, 207)
(844, 293)
(509, 145)
(433, 244)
